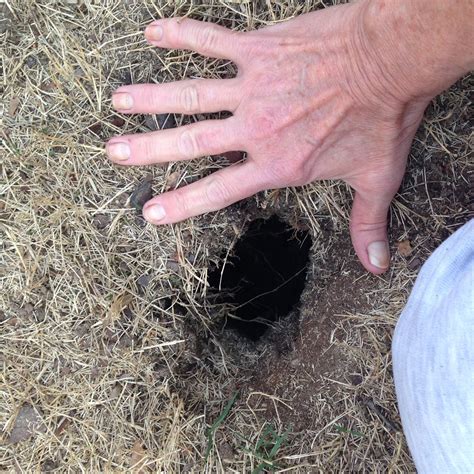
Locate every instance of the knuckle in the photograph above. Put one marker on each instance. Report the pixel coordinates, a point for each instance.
(188, 145)
(148, 148)
(217, 192)
(368, 226)
(266, 125)
(206, 39)
(174, 29)
(285, 172)
(189, 99)
(295, 173)
(181, 202)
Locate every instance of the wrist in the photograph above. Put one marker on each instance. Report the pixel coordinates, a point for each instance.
(419, 47)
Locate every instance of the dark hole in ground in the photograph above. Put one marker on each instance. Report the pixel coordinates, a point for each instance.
(264, 277)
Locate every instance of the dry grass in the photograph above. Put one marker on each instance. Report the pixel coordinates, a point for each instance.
(105, 328)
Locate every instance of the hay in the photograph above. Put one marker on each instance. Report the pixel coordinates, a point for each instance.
(105, 326)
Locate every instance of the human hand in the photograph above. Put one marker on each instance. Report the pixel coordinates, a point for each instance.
(310, 102)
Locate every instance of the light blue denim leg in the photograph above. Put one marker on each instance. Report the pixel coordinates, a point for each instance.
(433, 359)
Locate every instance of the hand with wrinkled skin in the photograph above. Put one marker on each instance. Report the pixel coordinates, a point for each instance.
(314, 99)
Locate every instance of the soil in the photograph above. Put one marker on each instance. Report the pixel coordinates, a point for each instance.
(316, 360)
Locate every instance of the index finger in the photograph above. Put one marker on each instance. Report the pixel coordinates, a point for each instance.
(205, 38)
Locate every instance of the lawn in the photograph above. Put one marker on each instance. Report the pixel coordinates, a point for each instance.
(116, 349)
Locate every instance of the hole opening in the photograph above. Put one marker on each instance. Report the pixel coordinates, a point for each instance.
(262, 280)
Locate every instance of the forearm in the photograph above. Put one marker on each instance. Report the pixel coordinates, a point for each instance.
(428, 44)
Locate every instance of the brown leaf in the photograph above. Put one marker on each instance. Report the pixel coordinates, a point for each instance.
(62, 426)
(96, 128)
(166, 121)
(172, 180)
(101, 221)
(142, 193)
(14, 103)
(28, 422)
(47, 86)
(404, 248)
(233, 156)
(119, 303)
(172, 265)
(137, 457)
(415, 263)
(118, 122)
(144, 280)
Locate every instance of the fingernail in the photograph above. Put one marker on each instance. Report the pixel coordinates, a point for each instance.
(379, 254)
(155, 213)
(122, 100)
(154, 32)
(118, 151)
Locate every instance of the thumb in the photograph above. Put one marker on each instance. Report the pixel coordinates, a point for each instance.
(369, 231)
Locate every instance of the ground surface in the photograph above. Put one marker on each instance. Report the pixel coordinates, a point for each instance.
(113, 357)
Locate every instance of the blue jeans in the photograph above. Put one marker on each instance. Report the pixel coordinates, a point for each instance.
(433, 359)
